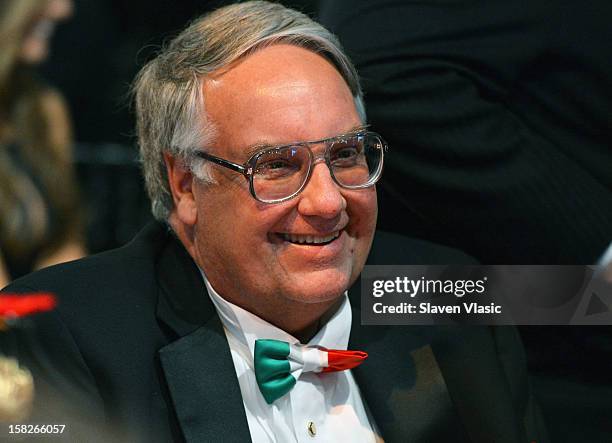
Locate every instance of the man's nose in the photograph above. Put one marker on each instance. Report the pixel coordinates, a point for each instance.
(321, 197)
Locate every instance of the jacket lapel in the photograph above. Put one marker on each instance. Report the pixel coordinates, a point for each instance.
(197, 365)
(433, 383)
(403, 386)
(202, 382)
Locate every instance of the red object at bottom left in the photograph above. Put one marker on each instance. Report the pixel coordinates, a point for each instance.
(16, 382)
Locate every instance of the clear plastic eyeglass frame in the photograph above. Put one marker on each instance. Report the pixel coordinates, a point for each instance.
(248, 169)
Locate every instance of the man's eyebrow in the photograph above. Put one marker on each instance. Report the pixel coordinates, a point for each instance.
(263, 145)
(257, 147)
(356, 129)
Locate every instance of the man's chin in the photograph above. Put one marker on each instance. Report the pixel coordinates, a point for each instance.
(321, 286)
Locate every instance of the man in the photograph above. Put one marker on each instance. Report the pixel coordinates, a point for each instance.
(256, 155)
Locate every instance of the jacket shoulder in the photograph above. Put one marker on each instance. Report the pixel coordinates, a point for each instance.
(394, 249)
(115, 267)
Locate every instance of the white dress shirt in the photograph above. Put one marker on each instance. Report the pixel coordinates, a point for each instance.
(321, 407)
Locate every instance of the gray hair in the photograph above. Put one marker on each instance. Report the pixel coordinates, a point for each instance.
(170, 107)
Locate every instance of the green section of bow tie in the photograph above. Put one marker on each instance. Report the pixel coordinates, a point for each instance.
(272, 370)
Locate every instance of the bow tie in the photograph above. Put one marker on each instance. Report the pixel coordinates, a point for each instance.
(279, 364)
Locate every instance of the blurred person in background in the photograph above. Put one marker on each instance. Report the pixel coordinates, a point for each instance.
(40, 220)
(498, 114)
(3, 273)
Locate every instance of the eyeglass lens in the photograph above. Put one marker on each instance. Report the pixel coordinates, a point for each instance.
(355, 162)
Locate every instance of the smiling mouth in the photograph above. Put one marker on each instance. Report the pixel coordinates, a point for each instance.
(317, 240)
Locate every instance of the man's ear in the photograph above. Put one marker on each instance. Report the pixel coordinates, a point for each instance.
(181, 183)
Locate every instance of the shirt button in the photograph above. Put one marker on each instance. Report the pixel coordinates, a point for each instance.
(312, 429)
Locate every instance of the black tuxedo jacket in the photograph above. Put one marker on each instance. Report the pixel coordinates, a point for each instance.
(136, 352)
(498, 119)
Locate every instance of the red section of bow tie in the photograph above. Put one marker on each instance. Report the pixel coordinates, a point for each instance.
(342, 360)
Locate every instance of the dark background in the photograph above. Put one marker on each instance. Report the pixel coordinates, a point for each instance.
(94, 58)
(96, 54)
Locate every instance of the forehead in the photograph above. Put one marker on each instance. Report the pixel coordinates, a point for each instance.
(279, 94)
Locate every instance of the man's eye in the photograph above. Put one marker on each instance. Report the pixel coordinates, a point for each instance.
(275, 168)
(276, 164)
(350, 152)
(346, 156)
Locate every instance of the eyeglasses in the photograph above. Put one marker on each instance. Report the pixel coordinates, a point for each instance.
(277, 174)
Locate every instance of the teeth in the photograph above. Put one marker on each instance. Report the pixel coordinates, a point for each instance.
(310, 239)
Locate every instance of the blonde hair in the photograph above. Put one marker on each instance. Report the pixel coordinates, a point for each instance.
(15, 17)
(170, 108)
(34, 121)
